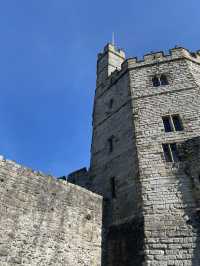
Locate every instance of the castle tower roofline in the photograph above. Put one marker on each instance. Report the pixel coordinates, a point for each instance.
(151, 58)
(113, 49)
(160, 56)
(108, 61)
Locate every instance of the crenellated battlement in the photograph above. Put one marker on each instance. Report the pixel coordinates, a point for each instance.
(159, 57)
(153, 58)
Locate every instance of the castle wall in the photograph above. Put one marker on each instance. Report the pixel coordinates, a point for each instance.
(81, 178)
(168, 202)
(115, 172)
(191, 155)
(47, 222)
(121, 163)
(195, 71)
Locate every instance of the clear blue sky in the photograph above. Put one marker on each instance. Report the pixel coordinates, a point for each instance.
(47, 68)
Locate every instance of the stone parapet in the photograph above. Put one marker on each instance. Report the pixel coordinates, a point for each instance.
(44, 221)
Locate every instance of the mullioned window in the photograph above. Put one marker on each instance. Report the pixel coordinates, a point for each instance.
(160, 80)
(172, 123)
(171, 152)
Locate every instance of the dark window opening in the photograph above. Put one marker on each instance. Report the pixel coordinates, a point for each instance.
(194, 55)
(171, 152)
(167, 153)
(172, 123)
(113, 187)
(156, 81)
(110, 143)
(164, 80)
(160, 80)
(111, 103)
(177, 123)
(167, 124)
(174, 150)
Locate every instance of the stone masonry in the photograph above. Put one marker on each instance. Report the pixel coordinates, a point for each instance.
(47, 222)
(151, 206)
(167, 192)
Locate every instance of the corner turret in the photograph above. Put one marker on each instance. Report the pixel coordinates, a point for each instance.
(108, 61)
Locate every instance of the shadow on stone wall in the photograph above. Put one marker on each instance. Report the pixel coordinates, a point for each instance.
(105, 222)
(190, 169)
(125, 243)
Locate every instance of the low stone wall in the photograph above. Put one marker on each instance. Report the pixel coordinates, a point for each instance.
(44, 221)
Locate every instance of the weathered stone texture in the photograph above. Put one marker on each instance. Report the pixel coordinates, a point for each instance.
(121, 163)
(191, 154)
(108, 61)
(146, 185)
(168, 202)
(47, 222)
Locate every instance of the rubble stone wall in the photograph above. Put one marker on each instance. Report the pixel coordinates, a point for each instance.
(171, 232)
(44, 221)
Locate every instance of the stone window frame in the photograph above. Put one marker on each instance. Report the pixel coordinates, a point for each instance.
(159, 80)
(171, 152)
(172, 124)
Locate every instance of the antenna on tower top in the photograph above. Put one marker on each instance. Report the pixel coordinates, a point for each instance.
(113, 39)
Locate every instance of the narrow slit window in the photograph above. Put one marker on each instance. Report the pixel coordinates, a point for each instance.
(177, 123)
(167, 124)
(110, 143)
(113, 187)
(111, 103)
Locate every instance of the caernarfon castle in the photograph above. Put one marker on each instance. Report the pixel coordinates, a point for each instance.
(138, 204)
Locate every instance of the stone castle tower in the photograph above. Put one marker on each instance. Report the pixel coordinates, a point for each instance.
(146, 119)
